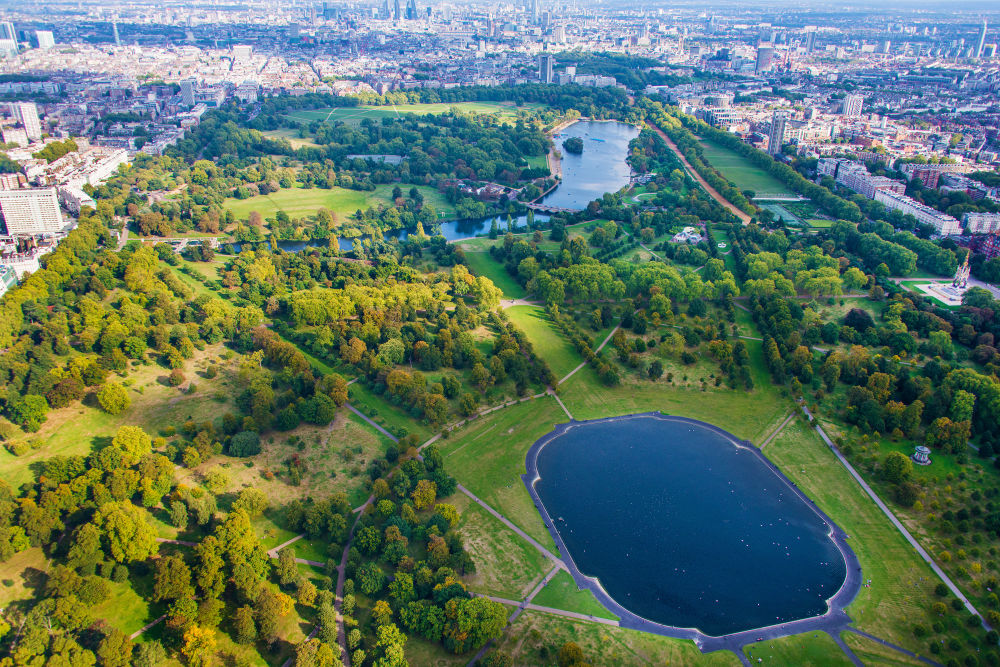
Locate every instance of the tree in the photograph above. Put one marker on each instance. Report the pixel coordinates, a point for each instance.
(199, 646)
(424, 494)
(244, 625)
(897, 467)
(288, 570)
(314, 653)
(570, 655)
(115, 650)
(28, 411)
(268, 608)
(133, 442)
(113, 398)
(245, 443)
(655, 370)
(252, 501)
(126, 534)
(172, 579)
(371, 579)
(306, 593)
(471, 622)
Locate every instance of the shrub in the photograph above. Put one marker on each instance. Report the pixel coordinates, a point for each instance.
(176, 377)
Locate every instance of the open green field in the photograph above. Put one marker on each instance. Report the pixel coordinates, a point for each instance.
(292, 136)
(813, 649)
(819, 223)
(562, 593)
(743, 173)
(902, 587)
(298, 202)
(483, 264)
(506, 565)
(487, 457)
(746, 415)
(534, 638)
(391, 417)
(354, 115)
(549, 344)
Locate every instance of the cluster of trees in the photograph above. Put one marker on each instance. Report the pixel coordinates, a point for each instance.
(55, 150)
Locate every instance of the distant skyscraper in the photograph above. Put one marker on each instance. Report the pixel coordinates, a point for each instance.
(187, 92)
(45, 39)
(8, 38)
(546, 65)
(981, 41)
(411, 10)
(989, 51)
(397, 12)
(810, 41)
(852, 106)
(114, 31)
(534, 11)
(764, 56)
(27, 115)
(776, 137)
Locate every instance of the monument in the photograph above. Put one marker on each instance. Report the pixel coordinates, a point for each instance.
(922, 457)
(951, 294)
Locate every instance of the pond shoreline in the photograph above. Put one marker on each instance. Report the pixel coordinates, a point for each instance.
(833, 621)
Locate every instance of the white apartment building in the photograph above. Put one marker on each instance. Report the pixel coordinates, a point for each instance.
(31, 211)
(944, 224)
(27, 114)
(982, 223)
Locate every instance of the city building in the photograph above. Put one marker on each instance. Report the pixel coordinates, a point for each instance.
(8, 38)
(930, 174)
(44, 39)
(8, 278)
(26, 114)
(546, 66)
(764, 56)
(981, 40)
(31, 211)
(981, 223)
(187, 92)
(852, 105)
(73, 199)
(943, 224)
(776, 136)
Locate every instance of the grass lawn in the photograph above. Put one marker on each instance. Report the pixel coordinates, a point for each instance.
(549, 344)
(745, 414)
(391, 417)
(813, 649)
(902, 588)
(562, 593)
(125, 609)
(873, 653)
(299, 202)
(535, 637)
(483, 264)
(487, 457)
(354, 115)
(21, 574)
(293, 137)
(506, 565)
(819, 223)
(421, 652)
(743, 173)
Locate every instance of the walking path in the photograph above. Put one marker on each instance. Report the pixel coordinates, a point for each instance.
(163, 540)
(146, 627)
(561, 405)
(847, 649)
(892, 517)
(744, 217)
(778, 430)
(377, 426)
(509, 303)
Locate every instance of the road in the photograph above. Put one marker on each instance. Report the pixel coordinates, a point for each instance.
(892, 517)
(744, 217)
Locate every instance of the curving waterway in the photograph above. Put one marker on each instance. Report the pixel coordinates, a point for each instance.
(683, 527)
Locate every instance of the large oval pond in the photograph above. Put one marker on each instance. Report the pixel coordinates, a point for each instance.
(601, 168)
(684, 527)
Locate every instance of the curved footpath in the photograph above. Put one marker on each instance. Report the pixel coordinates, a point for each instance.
(833, 622)
(744, 217)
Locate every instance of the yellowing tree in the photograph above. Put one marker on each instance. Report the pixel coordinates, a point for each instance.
(199, 646)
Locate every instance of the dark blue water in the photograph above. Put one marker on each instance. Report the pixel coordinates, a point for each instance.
(684, 528)
(600, 168)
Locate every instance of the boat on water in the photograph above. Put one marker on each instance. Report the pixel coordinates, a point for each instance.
(596, 139)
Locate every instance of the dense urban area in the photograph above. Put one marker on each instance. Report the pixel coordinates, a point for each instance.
(305, 306)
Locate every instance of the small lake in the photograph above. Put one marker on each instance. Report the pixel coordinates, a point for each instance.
(600, 168)
(684, 528)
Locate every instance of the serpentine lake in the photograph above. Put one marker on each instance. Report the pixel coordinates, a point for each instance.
(683, 527)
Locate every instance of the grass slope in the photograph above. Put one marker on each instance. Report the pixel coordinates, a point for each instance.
(902, 584)
(483, 264)
(299, 202)
(562, 593)
(487, 457)
(743, 173)
(549, 344)
(535, 637)
(814, 649)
